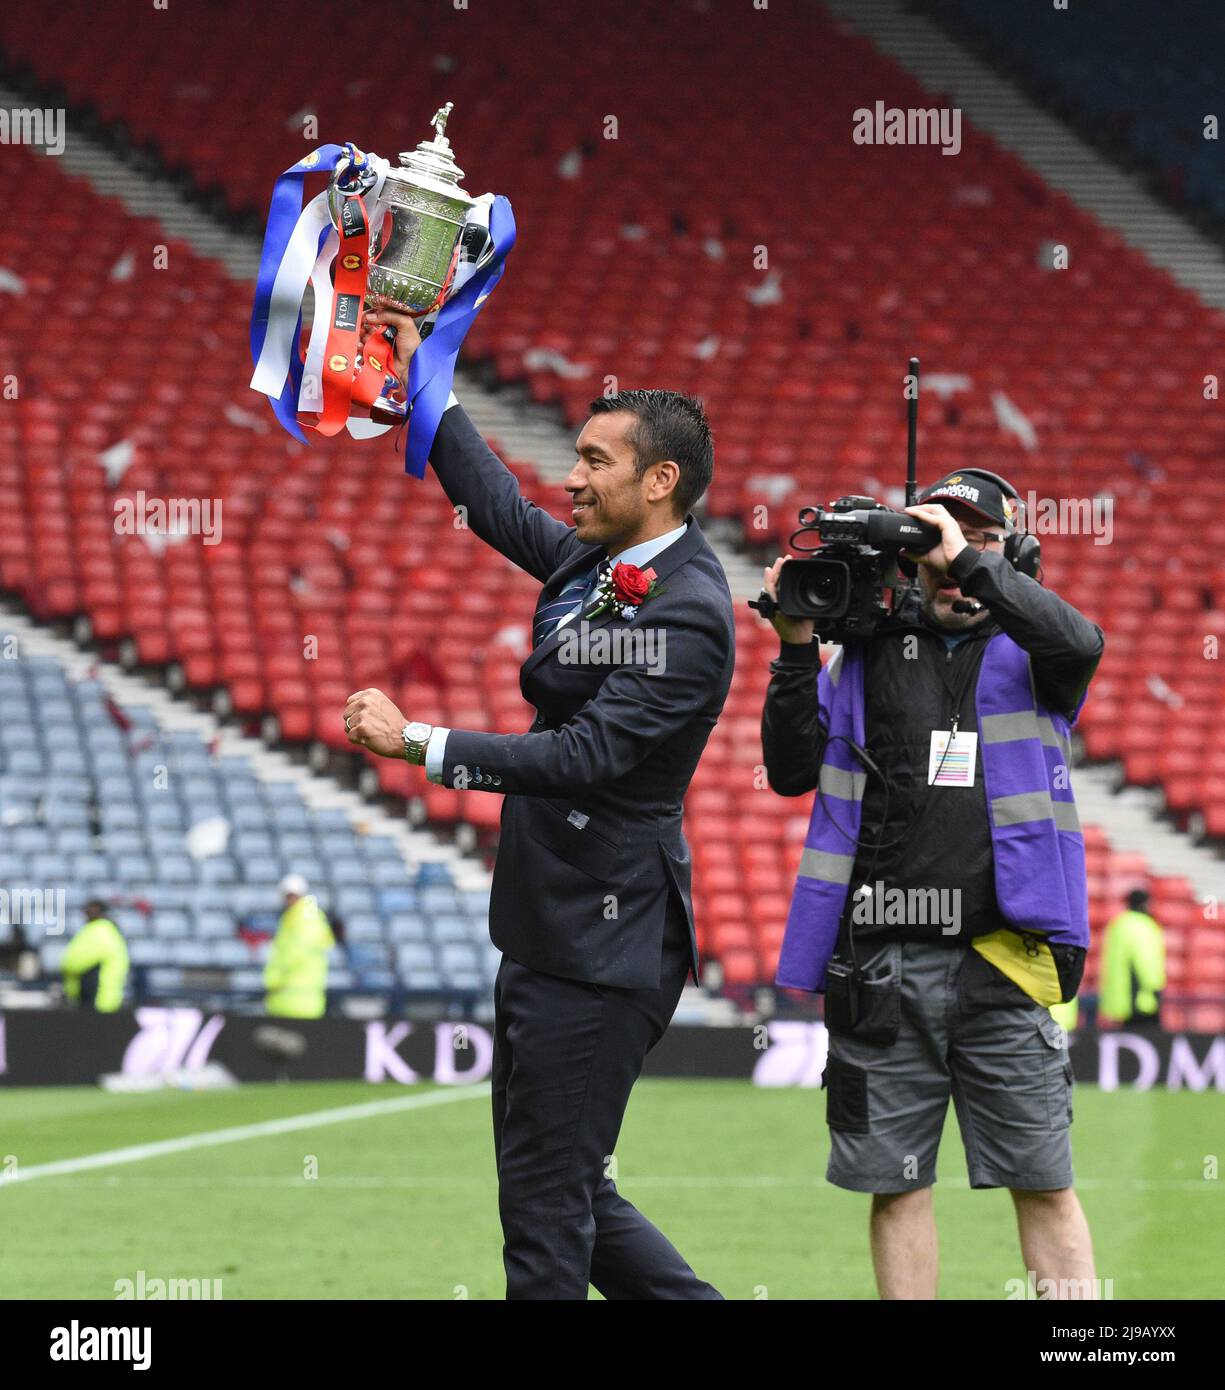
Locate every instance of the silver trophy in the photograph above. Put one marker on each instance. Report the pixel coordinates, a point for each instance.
(415, 250)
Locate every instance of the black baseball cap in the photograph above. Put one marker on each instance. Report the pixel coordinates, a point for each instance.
(977, 492)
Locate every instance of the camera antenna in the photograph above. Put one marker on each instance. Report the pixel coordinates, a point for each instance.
(912, 430)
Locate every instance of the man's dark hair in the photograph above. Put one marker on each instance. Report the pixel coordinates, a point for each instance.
(94, 908)
(669, 426)
(1137, 900)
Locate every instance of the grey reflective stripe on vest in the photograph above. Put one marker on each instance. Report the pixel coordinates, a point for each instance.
(847, 786)
(833, 868)
(1005, 728)
(1021, 808)
(1053, 738)
(1031, 806)
(833, 667)
(1050, 735)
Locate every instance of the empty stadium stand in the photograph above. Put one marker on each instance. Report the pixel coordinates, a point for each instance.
(335, 572)
(189, 842)
(1086, 63)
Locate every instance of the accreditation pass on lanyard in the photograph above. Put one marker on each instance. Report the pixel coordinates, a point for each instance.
(950, 763)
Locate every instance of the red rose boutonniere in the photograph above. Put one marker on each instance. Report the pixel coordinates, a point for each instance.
(624, 587)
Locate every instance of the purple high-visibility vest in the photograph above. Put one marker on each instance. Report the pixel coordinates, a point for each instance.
(1036, 840)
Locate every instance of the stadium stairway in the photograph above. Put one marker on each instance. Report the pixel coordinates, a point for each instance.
(1133, 816)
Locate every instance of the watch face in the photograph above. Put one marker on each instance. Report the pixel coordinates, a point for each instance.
(418, 732)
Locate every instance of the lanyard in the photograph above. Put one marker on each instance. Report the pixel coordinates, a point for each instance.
(958, 694)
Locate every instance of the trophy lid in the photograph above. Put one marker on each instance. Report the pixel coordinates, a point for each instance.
(433, 159)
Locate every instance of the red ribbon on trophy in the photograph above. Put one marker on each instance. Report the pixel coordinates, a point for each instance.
(349, 295)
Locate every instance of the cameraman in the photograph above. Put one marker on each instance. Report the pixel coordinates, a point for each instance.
(918, 1009)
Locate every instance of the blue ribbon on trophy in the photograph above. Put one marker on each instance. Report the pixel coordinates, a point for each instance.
(432, 369)
(276, 317)
(436, 253)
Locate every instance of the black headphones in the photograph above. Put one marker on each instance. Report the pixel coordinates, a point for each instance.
(1022, 550)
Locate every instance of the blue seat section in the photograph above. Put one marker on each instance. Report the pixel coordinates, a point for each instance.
(1098, 66)
(97, 802)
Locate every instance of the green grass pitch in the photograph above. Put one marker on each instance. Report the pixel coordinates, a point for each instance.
(403, 1205)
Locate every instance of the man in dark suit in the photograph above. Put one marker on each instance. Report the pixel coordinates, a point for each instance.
(591, 892)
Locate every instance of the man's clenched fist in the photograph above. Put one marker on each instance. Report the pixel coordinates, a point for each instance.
(373, 721)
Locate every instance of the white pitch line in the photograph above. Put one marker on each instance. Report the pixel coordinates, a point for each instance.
(287, 1125)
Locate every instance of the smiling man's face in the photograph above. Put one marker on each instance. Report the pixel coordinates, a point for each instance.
(941, 591)
(611, 503)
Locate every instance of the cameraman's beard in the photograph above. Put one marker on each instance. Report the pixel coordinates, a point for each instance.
(938, 611)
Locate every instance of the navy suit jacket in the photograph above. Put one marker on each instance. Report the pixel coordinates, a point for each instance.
(592, 856)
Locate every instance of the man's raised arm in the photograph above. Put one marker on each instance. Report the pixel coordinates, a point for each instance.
(475, 479)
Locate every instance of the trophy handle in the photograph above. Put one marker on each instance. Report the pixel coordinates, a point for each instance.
(352, 177)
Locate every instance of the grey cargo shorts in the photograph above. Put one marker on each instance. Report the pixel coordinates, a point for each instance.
(1006, 1067)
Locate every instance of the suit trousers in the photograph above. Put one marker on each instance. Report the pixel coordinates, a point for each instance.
(566, 1055)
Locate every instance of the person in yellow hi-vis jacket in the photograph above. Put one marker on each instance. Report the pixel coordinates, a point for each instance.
(95, 965)
(296, 975)
(1133, 965)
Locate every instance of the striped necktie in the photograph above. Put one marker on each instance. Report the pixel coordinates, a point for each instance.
(572, 599)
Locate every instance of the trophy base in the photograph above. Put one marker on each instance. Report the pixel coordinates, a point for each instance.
(388, 412)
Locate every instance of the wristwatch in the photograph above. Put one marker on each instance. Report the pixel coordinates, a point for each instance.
(416, 736)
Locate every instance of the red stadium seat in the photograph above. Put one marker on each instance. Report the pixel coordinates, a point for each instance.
(332, 548)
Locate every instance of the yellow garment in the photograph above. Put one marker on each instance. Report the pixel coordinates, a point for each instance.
(1133, 955)
(1031, 966)
(98, 944)
(1066, 1015)
(296, 975)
